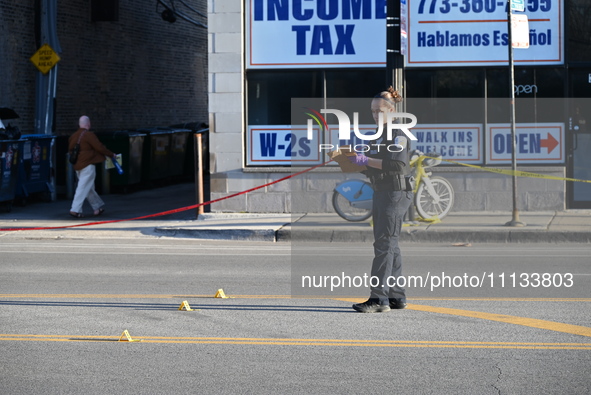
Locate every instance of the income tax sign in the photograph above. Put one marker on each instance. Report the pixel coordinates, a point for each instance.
(474, 33)
(317, 33)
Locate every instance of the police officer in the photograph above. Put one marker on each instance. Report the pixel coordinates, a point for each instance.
(389, 171)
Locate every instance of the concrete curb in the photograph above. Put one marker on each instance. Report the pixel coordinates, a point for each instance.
(548, 237)
(230, 226)
(512, 236)
(219, 234)
(287, 234)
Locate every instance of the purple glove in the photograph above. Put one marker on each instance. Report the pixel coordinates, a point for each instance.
(360, 160)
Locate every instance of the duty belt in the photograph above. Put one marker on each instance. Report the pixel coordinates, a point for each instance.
(391, 182)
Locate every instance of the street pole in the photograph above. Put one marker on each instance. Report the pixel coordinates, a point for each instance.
(394, 57)
(395, 62)
(198, 153)
(515, 221)
(46, 84)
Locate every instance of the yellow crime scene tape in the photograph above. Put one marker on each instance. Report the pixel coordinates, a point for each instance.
(511, 172)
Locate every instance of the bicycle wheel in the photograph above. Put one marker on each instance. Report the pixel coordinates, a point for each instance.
(439, 205)
(344, 209)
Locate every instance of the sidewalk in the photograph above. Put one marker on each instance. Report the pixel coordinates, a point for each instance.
(469, 227)
(541, 227)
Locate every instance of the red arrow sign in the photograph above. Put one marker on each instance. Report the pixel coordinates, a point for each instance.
(549, 143)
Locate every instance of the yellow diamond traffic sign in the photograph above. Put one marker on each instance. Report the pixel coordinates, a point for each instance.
(45, 58)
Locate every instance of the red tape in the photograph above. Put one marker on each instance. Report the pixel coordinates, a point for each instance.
(178, 210)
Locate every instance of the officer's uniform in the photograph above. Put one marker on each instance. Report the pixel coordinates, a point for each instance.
(391, 200)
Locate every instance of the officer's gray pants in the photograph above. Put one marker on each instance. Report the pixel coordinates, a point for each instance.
(389, 208)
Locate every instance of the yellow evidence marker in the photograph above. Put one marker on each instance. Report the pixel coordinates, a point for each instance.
(220, 294)
(185, 306)
(127, 337)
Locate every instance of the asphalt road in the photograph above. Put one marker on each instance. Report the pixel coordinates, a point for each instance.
(65, 303)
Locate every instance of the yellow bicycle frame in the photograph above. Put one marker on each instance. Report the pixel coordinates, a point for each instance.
(420, 172)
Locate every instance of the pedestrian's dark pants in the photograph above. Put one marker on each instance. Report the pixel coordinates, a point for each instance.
(389, 208)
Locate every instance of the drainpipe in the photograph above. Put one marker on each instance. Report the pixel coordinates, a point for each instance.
(46, 84)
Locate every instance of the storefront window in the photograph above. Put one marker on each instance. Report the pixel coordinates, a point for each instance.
(497, 83)
(271, 138)
(420, 83)
(354, 83)
(459, 83)
(442, 86)
(270, 94)
(579, 26)
(530, 83)
(454, 83)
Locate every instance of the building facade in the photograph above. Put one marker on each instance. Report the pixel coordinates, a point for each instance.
(121, 64)
(265, 53)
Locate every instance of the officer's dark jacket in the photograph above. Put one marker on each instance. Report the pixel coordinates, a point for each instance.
(394, 164)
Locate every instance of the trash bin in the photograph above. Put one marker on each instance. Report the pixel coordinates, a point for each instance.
(10, 155)
(156, 158)
(130, 144)
(194, 128)
(178, 151)
(34, 174)
(62, 183)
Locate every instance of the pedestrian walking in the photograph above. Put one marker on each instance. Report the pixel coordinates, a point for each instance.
(90, 152)
(389, 173)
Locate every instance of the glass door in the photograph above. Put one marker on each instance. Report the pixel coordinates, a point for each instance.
(579, 138)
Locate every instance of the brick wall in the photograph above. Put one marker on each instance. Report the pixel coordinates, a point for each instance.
(138, 72)
(17, 73)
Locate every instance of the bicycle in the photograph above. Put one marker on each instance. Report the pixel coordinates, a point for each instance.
(433, 195)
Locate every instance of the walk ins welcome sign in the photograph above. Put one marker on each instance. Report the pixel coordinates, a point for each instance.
(316, 33)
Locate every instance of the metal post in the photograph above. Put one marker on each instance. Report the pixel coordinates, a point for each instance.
(46, 84)
(70, 178)
(105, 179)
(394, 58)
(515, 220)
(395, 63)
(198, 151)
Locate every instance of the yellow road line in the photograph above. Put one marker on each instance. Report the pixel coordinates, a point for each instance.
(508, 299)
(305, 342)
(523, 321)
(509, 319)
(136, 296)
(177, 296)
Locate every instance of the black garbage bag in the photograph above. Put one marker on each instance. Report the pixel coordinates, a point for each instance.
(10, 133)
